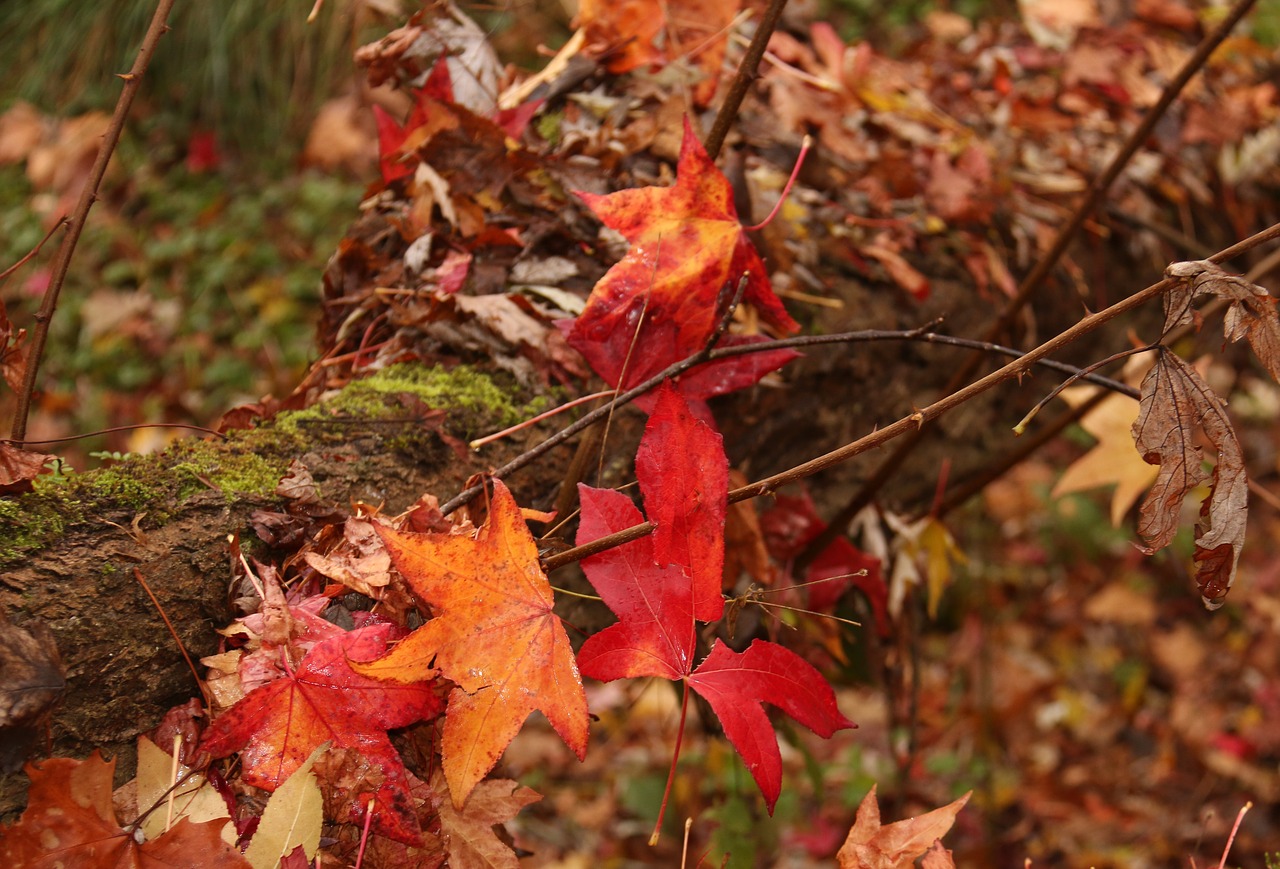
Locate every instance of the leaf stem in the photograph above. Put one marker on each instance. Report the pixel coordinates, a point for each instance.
(671, 775)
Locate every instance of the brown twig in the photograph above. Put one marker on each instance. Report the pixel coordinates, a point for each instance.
(907, 424)
(34, 251)
(40, 335)
(173, 633)
(1097, 190)
(112, 430)
(747, 73)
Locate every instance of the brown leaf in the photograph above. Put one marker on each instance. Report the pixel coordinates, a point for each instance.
(871, 846)
(1252, 314)
(468, 833)
(937, 857)
(70, 821)
(19, 467)
(1175, 401)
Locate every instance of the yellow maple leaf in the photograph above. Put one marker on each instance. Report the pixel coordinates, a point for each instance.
(1113, 460)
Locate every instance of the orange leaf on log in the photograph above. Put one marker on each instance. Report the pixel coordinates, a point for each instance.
(494, 635)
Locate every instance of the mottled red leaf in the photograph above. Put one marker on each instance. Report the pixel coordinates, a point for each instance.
(277, 726)
(658, 305)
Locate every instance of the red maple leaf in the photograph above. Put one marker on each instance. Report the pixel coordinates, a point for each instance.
(392, 137)
(659, 304)
(70, 821)
(277, 726)
(660, 587)
(494, 635)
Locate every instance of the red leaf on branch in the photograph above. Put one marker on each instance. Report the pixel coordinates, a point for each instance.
(493, 634)
(661, 586)
(276, 727)
(659, 304)
(70, 821)
(736, 683)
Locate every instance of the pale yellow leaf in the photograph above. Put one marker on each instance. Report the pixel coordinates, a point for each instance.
(292, 817)
(194, 799)
(1114, 460)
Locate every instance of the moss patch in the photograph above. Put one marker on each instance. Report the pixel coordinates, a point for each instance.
(248, 463)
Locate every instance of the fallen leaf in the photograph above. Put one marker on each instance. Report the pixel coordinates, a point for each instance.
(688, 250)
(1113, 460)
(277, 726)
(468, 832)
(897, 845)
(193, 797)
(291, 820)
(69, 821)
(1175, 401)
(494, 635)
(18, 467)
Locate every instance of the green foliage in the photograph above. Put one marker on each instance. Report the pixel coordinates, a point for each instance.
(188, 293)
(251, 72)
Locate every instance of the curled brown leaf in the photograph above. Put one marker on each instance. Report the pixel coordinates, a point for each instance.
(1175, 403)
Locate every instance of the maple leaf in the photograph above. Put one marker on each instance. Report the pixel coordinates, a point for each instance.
(1175, 399)
(393, 138)
(494, 635)
(468, 832)
(1113, 460)
(687, 246)
(661, 586)
(69, 821)
(276, 727)
(897, 845)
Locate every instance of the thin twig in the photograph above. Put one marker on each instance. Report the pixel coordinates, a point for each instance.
(40, 335)
(35, 250)
(113, 430)
(204, 692)
(1015, 369)
(747, 73)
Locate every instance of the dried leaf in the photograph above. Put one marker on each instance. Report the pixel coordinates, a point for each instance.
(1175, 401)
(896, 846)
(19, 467)
(1252, 313)
(468, 832)
(292, 819)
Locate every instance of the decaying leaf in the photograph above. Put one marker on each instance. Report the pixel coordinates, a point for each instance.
(1251, 315)
(70, 821)
(18, 467)
(494, 635)
(1175, 402)
(193, 797)
(897, 845)
(468, 832)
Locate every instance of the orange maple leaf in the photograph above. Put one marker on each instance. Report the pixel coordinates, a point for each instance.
(494, 635)
(687, 248)
(894, 846)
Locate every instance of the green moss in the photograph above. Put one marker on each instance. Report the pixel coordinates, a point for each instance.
(474, 399)
(249, 463)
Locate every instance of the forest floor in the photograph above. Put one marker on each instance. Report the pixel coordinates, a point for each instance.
(1079, 689)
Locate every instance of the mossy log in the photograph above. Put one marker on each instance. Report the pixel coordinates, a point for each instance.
(74, 553)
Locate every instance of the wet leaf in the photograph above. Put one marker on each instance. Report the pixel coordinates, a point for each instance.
(69, 821)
